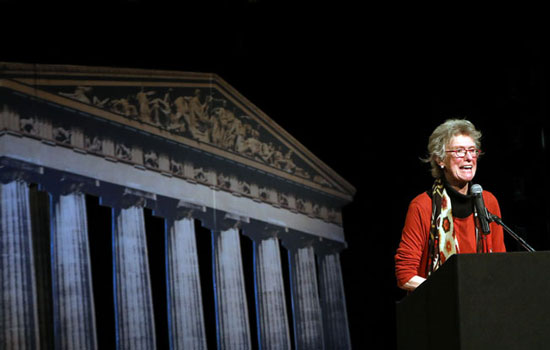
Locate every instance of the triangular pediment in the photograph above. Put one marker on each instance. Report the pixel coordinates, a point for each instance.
(198, 110)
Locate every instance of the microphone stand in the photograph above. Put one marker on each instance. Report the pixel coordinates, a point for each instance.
(498, 220)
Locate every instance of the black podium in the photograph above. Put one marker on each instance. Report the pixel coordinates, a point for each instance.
(480, 301)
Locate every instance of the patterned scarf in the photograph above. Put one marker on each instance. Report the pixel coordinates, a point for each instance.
(442, 241)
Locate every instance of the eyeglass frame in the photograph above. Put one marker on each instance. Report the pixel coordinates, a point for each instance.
(474, 152)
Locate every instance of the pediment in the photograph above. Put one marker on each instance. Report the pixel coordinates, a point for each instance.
(198, 110)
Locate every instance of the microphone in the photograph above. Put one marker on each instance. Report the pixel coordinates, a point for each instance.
(482, 212)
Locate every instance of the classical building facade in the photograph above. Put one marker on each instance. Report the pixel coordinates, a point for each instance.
(154, 209)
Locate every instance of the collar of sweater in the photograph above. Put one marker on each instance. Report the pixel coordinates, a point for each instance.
(463, 205)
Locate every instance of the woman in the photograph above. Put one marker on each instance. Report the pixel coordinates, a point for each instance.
(441, 222)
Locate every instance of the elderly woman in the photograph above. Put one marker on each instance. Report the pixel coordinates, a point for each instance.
(433, 231)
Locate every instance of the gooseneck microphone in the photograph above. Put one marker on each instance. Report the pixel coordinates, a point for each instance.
(482, 213)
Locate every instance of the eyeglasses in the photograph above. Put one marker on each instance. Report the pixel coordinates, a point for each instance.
(461, 152)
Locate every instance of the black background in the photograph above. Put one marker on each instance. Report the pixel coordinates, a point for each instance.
(362, 88)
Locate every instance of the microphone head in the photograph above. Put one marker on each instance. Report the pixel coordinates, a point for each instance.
(476, 189)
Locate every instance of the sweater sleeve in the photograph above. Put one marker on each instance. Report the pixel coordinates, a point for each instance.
(411, 255)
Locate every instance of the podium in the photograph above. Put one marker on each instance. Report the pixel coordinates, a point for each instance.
(480, 301)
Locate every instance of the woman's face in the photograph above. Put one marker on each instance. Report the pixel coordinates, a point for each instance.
(460, 171)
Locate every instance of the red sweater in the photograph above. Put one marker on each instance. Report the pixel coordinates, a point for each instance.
(412, 254)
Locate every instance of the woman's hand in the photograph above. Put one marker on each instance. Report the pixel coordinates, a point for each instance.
(414, 282)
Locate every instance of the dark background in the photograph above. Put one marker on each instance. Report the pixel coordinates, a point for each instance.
(362, 88)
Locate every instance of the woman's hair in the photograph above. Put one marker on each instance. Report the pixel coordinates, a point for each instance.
(441, 137)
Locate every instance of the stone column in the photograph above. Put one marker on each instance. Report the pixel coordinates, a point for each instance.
(308, 325)
(74, 317)
(232, 324)
(333, 302)
(18, 306)
(270, 295)
(185, 313)
(271, 312)
(133, 299)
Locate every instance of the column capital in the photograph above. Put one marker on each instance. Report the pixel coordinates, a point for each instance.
(170, 208)
(329, 247)
(61, 184)
(293, 240)
(217, 220)
(259, 230)
(16, 170)
(125, 197)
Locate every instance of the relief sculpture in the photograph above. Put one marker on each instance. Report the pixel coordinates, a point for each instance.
(123, 151)
(28, 125)
(62, 135)
(205, 118)
(124, 107)
(81, 94)
(151, 159)
(93, 144)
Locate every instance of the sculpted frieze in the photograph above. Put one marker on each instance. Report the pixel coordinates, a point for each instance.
(203, 115)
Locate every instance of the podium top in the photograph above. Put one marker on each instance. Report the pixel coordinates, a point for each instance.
(481, 301)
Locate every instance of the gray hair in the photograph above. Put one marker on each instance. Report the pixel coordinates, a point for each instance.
(442, 135)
